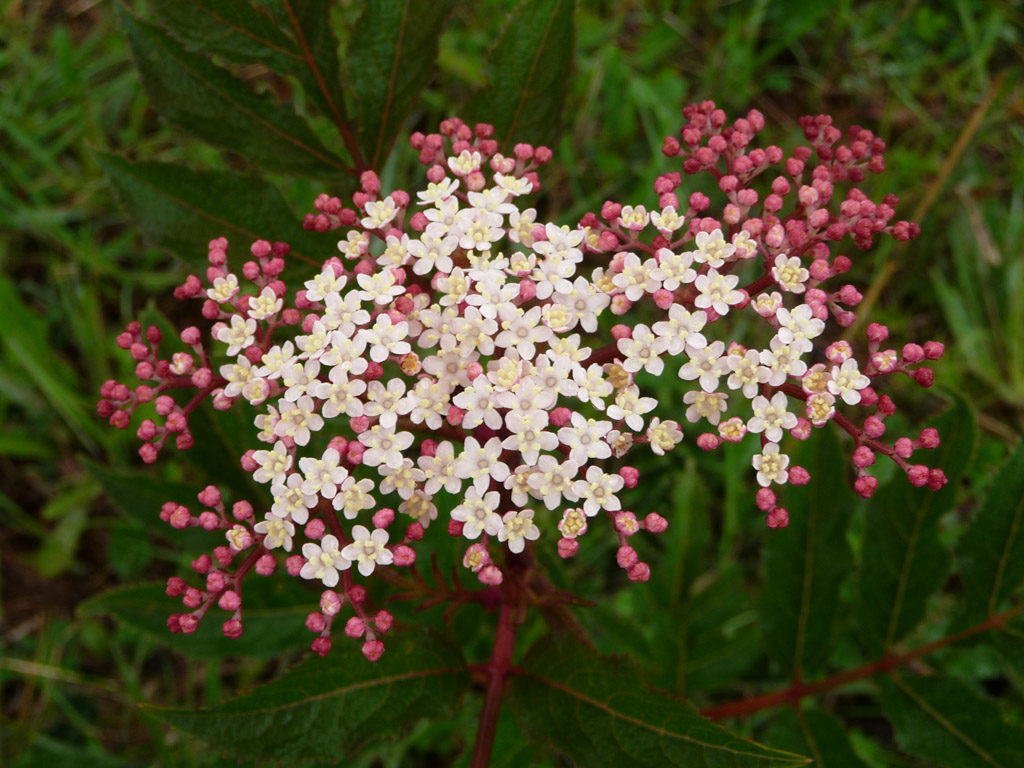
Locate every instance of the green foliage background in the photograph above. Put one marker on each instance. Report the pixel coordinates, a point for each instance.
(940, 82)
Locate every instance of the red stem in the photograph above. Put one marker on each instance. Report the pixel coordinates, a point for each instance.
(497, 671)
(798, 690)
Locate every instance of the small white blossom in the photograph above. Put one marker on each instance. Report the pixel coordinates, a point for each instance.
(324, 561)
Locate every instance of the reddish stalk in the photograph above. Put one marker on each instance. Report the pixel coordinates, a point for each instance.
(798, 690)
(497, 671)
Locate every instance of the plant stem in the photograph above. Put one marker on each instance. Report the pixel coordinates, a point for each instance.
(799, 690)
(497, 671)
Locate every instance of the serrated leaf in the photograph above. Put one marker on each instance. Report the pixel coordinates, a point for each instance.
(180, 210)
(326, 708)
(991, 553)
(217, 107)
(942, 719)
(529, 73)
(391, 59)
(273, 614)
(904, 562)
(805, 562)
(598, 712)
(815, 733)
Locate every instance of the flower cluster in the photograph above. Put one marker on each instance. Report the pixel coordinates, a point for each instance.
(461, 354)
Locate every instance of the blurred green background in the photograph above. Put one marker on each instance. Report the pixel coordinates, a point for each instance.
(939, 81)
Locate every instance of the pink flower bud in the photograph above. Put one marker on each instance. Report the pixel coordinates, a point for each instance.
(866, 485)
(373, 649)
(654, 523)
(626, 556)
(315, 529)
(777, 518)
(639, 572)
(330, 602)
(404, 556)
(937, 479)
(933, 350)
(877, 333)
(568, 547)
(294, 564)
(315, 622)
(708, 441)
(321, 646)
(918, 475)
(265, 565)
(904, 448)
(354, 627)
(382, 518)
(799, 476)
(913, 353)
(189, 623)
(929, 438)
(924, 376)
(630, 476)
(383, 621)
(490, 575)
(209, 521)
(863, 457)
(230, 601)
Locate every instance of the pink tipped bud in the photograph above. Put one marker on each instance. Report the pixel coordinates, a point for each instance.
(904, 448)
(874, 427)
(630, 476)
(354, 627)
(455, 527)
(929, 438)
(490, 575)
(863, 457)
(383, 621)
(936, 479)
(933, 350)
(626, 556)
(913, 353)
(189, 623)
(568, 547)
(230, 601)
(373, 649)
(315, 529)
(175, 586)
(321, 646)
(315, 622)
(232, 629)
(294, 564)
(330, 602)
(799, 476)
(877, 333)
(404, 556)
(639, 572)
(866, 485)
(654, 523)
(777, 518)
(708, 441)
(382, 518)
(765, 499)
(266, 565)
(210, 496)
(415, 531)
(924, 376)
(918, 475)
(209, 521)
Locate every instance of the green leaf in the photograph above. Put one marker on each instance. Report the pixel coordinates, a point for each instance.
(24, 339)
(326, 708)
(274, 611)
(139, 498)
(391, 59)
(217, 107)
(598, 712)
(944, 720)
(180, 210)
(529, 73)
(991, 553)
(816, 733)
(286, 37)
(904, 562)
(805, 562)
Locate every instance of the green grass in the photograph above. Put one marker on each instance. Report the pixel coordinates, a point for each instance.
(74, 271)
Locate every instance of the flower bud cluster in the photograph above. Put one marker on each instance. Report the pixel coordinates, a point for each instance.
(459, 354)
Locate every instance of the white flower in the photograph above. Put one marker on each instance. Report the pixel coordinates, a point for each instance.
(439, 470)
(518, 528)
(585, 439)
(782, 360)
(354, 496)
(298, 420)
(663, 435)
(478, 401)
(368, 549)
(224, 289)
(598, 491)
(324, 284)
(480, 463)
(635, 279)
(630, 406)
(465, 163)
(706, 364)
(419, 507)
(847, 381)
(441, 190)
(674, 269)
(713, 250)
(380, 287)
(266, 305)
(528, 435)
(634, 219)
(771, 417)
(771, 465)
(747, 372)
(240, 334)
(790, 274)
(553, 480)
(478, 514)
(682, 330)
(290, 502)
(643, 350)
(379, 213)
(274, 464)
(705, 405)
(276, 532)
(385, 403)
(402, 480)
(717, 291)
(668, 221)
(799, 326)
(384, 446)
(323, 475)
(323, 561)
(514, 186)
